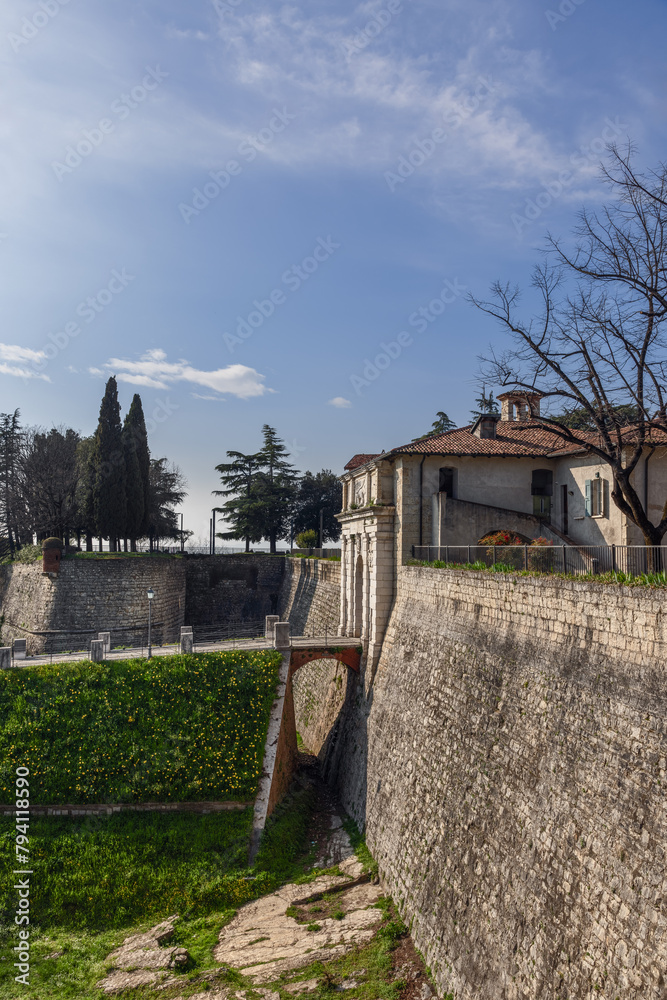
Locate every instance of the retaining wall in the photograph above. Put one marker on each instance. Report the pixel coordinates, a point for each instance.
(234, 588)
(92, 594)
(508, 762)
(310, 596)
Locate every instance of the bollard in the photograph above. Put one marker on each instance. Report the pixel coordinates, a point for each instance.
(105, 637)
(186, 642)
(269, 627)
(97, 650)
(20, 647)
(282, 635)
(5, 657)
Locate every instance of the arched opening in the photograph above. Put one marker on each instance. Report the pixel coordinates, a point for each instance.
(358, 596)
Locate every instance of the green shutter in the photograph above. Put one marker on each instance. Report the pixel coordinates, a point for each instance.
(589, 498)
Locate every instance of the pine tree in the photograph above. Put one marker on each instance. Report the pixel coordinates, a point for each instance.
(485, 404)
(275, 488)
(137, 468)
(243, 509)
(109, 497)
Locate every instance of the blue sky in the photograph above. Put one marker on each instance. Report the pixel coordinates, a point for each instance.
(236, 206)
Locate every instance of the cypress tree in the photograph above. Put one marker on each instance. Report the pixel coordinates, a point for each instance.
(110, 502)
(137, 467)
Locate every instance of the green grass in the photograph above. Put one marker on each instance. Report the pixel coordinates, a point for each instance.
(173, 728)
(99, 881)
(654, 580)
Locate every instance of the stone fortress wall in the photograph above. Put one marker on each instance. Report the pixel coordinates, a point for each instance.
(91, 595)
(507, 756)
(508, 761)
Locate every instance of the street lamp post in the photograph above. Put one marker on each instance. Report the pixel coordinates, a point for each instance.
(150, 594)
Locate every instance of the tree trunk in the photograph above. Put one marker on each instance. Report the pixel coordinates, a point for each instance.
(247, 543)
(272, 543)
(89, 542)
(101, 546)
(133, 545)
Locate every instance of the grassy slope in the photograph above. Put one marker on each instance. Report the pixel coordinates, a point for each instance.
(93, 886)
(171, 728)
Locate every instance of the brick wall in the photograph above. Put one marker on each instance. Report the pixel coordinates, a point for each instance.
(508, 762)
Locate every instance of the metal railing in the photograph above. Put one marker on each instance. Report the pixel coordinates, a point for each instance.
(633, 560)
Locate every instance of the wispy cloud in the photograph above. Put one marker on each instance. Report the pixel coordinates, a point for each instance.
(22, 355)
(154, 371)
(340, 402)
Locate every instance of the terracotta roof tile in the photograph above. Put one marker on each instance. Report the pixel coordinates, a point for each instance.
(527, 439)
(357, 460)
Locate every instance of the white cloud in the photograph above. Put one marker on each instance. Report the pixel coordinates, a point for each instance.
(13, 352)
(154, 371)
(340, 402)
(22, 355)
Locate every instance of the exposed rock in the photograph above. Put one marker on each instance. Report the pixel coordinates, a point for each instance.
(143, 959)
(305, 986)
(262, 941)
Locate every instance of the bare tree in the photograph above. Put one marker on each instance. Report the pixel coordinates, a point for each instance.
(50, 474)
(597, 346)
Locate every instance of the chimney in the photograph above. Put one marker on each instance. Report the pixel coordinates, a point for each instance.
(485, 425)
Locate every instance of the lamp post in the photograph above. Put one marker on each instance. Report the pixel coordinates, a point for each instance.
(150, 593)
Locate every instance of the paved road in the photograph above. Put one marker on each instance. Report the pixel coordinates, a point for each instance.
(297, 642)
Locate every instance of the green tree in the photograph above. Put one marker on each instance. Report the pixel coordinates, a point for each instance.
(85, 493)
(320, 492)
(11, 436)
(275, 488)
(137, 467)
(440, 425)
(485, 404)
(109, 498)
(167, 490)
(242, 509)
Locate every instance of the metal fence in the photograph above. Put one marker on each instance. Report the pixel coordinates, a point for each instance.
(633, 560)
(234, 631)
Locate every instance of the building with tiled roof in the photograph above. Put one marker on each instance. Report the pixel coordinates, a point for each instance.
(506, 471)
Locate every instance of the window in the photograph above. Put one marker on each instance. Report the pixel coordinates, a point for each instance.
(542, 484)
(596, 495)
(447, 482)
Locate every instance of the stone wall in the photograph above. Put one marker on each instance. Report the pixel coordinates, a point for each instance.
(310, 596)
(91, 595)
(508, 761)
(236, 588)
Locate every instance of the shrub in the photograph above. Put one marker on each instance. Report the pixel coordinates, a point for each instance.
(501, 538)
(307, 539)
